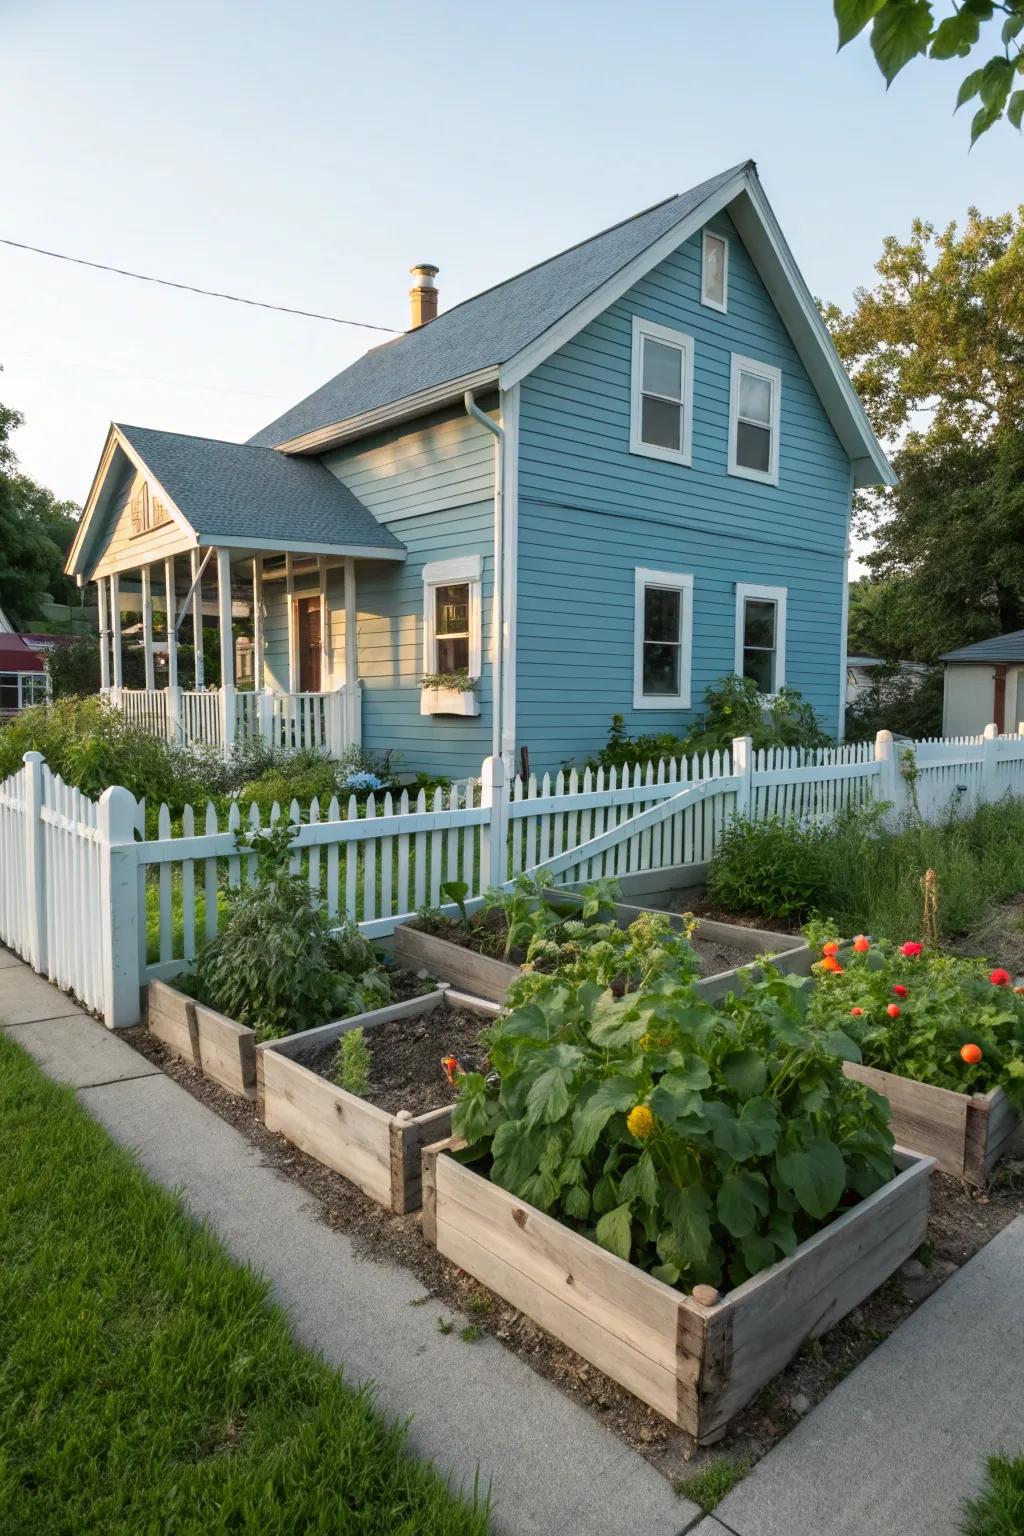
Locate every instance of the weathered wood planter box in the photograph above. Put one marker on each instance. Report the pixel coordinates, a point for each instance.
(223, 1051)
(696, 1365)
(965, 1133)
(377, 1151)
(486, 977)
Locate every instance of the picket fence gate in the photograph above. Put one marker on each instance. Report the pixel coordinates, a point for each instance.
(99, 907)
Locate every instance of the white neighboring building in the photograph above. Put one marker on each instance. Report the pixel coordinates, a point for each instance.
(984, 682)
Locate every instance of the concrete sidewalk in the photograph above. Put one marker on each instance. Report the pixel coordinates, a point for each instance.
(551, 1466)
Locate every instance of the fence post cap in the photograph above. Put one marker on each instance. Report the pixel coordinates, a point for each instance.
(990, 732)
(118, 809)
(33, 757)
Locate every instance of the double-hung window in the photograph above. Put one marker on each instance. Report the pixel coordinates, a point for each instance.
(662, 639)
(451, 615)
(714, 271)
(754, 403)
(761, 635)
(661, 410)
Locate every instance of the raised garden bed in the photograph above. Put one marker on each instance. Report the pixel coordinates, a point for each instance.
(965, 1133)
(697, 1365)
(377, 1148)
(222, 1050)
(724, 948)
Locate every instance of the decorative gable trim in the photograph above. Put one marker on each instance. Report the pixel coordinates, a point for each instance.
(77, 563)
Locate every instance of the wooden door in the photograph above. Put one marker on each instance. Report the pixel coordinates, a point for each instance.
(307, 613)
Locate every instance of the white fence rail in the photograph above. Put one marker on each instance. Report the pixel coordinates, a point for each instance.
(100, 909)
(325, 722)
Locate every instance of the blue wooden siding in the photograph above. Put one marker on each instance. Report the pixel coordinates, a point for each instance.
(433, 486)
(590, 512)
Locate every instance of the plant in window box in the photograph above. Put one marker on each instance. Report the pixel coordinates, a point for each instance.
(449, 693)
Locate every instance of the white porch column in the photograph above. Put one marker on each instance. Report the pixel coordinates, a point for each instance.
(325, 620)
(147, 627)
(104, 622)
(173, 691)
(289, 587)
(115, 619)
(353, 700)
(257, 623)
(197, 621)
(227, 649)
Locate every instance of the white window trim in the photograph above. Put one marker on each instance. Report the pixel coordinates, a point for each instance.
(675, 581)
(774, 376)
(713, 234)
(440, 573)
(778, 596)
(642, 328)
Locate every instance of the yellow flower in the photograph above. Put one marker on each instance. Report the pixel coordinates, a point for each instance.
(640, 1122)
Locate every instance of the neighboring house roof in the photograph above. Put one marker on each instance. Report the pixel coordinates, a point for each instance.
(502, 334)
(864, 661)
(234, 495)
(999, 648)
(15, 655)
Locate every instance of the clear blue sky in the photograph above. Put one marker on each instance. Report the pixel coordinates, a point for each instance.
(308, 153)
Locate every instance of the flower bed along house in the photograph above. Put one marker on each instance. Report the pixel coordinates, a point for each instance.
(377, 1148)
(941, 1038)
(484, 953)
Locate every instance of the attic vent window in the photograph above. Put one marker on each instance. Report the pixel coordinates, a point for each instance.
(662, 392)
(714, 281)
(146, 511)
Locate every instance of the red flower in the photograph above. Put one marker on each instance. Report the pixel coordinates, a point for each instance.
(831, 948)
(861, 944)
(999, 977)
(900, 991)
(971, 1054)
(893, 1010)
(857, 1012)
(911, 949)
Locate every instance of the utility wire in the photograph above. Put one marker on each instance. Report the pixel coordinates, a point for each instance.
(210, 293)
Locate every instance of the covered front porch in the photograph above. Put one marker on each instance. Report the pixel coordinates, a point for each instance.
(190, 536)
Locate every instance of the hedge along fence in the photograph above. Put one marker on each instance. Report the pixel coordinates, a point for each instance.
(98, 908)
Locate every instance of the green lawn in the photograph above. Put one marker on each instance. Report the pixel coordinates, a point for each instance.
(999, 1508)
(147, 1385)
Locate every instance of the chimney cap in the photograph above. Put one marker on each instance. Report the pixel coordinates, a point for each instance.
(426, 272)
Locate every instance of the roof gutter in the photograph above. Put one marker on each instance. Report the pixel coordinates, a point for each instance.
(498, 432)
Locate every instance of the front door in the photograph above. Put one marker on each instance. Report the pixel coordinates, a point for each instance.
(310, 643)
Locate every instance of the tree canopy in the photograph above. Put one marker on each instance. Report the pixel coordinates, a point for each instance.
(35, 532)
(902, 30)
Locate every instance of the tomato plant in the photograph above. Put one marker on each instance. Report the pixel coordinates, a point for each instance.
(700, 1143)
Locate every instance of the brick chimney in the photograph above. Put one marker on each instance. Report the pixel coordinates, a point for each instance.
(422, 295)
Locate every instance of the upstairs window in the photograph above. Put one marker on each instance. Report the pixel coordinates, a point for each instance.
(714, 275)
(662, 639)
(761, 635)
(451, 615)
(662, 392)
(754, 400)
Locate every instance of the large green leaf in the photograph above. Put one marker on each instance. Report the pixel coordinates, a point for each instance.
(548, 1098)
(759, 1118)
(680, 1108)
(838, 1043)
(742, 1198)
(576, 1202)
(614, 1231)
(1015, 105)
(816, 1174)
(900, 31)
(593, 1112)
(956, 35)
(613, 1022)
(746, 1072)
(689, 1215)
(516, 1150)
(996, 79)
(853, 16)
(728, 1134)
(641, 1181)
(758, 1252)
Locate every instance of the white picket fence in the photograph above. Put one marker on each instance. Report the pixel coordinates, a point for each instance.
(100, 908)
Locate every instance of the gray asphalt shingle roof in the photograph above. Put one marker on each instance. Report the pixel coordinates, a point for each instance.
(241, 492)
(999, 648)
(489, 329)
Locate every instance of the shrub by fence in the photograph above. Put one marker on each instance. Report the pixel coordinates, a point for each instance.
(99, 909)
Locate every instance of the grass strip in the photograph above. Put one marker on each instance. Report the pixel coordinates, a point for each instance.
(147, 1384)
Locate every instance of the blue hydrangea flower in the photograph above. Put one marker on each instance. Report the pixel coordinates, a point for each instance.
(360, 779)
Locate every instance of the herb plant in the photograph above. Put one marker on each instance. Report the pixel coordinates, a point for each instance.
(701, 1144)
(527, 913)
(352, 1067)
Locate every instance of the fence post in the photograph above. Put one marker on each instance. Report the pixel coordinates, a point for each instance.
(890, 780)
(227, 719)
(743, 768)
(119, 894)
(989, 758)
(173, 714)
(494, 794)
(35, 862)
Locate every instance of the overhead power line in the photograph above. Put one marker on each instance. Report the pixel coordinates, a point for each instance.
(209, 293)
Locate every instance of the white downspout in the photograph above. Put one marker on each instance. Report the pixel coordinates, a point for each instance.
(474, 410)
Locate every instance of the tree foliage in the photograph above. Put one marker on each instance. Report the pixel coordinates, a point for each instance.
(35, 530)
(902, 30)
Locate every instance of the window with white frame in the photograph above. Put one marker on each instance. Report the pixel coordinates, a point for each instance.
(662, 639)
(452, 592)
(755, 396)
(761, 635)
(714, 271)
(661, 408)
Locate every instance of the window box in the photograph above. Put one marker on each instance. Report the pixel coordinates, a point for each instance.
(462, 702)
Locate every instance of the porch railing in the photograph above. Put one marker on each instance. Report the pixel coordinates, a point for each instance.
(216, 717)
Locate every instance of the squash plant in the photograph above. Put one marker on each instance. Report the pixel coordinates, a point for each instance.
(940, 1019)
(702, 1144)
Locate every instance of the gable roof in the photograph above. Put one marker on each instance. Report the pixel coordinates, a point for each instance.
(236, 496)
(998, 648)
(16, 656)
(501, 335)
